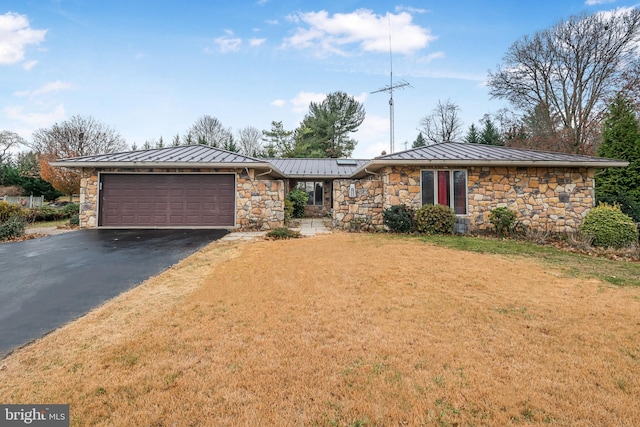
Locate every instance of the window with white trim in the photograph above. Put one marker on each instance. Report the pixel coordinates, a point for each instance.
(445, 187)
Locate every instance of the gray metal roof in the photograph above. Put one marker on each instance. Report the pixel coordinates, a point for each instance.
(462, 154)
(181, 156)
(317, 168)
(443, 154)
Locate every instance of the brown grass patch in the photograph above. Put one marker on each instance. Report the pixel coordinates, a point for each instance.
(344, 330)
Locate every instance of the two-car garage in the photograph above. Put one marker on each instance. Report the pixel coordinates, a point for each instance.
(166, 200)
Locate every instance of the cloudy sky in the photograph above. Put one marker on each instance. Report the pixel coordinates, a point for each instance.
(151, 68)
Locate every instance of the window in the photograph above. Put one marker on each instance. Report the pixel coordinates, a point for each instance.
(314, 190)
(445, 187)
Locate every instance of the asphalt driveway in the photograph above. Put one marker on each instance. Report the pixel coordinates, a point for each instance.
(47, 282)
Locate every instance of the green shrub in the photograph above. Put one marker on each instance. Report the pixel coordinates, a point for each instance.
(503, 219)
(283, 233)
(74, 220)
(12, 227)
(607, 226)
(70, 210)
(435, 219)
(299, 198)
(47, 213)
(399, 218)
(288, 210)
(7, 211)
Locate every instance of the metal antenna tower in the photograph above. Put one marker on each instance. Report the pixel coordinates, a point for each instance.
(389, 88)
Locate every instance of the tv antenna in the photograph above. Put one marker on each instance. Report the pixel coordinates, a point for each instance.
(390, 88)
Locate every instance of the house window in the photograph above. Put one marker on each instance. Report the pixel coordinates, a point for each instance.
(445, 187)
(314, 190)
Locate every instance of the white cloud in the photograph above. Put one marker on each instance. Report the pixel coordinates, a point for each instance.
(596, 2)
(35, 120)
(326, 34)
(228, 43)
(302, 100)
(15, 36)
(412, 10)
(278, 103)
(256, 42)
(372, 137)
(47, 88)
(435, 55)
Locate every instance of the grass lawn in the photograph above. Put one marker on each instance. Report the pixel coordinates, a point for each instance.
(352, 330)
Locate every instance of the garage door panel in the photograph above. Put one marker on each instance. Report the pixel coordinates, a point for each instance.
(175, 200)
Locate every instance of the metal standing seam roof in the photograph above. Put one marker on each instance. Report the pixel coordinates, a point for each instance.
(442, 154)
(317, 168)
(186, 154)
(463, 154)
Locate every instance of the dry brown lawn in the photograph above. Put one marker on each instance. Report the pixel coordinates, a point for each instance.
(344, 330)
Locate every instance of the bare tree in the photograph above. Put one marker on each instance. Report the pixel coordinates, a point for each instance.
(443, 124)
(208, 130)
(573, 68)
(250, 141)
(78, 136)
(8, 141)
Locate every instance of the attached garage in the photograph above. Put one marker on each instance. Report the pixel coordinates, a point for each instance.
(167, 200)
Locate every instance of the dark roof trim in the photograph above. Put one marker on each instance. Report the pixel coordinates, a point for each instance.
(376, 164)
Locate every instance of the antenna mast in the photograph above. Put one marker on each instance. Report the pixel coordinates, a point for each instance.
(389, 88)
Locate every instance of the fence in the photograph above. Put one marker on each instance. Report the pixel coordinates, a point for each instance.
(26, 201)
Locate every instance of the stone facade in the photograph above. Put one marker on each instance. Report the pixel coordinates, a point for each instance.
(364, 211)
(259, 202)
(550, 199)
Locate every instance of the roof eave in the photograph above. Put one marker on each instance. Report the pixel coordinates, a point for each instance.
(183, 165)
(376, 165)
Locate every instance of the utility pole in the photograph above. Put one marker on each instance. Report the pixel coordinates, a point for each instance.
(389, 88)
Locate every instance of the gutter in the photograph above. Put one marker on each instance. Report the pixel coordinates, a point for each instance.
(164, 165)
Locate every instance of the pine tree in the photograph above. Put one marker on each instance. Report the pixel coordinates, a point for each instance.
(621, 140)
(490, 134)
(472, 136)
(419, 142)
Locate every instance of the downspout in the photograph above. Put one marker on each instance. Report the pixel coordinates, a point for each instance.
(265, 173)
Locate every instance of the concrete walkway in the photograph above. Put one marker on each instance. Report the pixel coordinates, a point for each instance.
(306, 226)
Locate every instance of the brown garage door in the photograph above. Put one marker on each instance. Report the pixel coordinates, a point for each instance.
(167, 200)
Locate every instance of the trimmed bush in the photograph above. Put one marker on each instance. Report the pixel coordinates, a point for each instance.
(7, 211)
(70, 210)
(399, 218)
(299, 198)
(74, 220)
(288, 210)
(435, 219)
(12, 227)
(608, 226)
(283, 233)
(503, 219)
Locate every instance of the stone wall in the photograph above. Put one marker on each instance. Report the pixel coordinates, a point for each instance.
(364, 211)
(259, 202)
(550, 199)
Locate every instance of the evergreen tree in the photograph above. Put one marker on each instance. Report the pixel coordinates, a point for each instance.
(160, 143)
(472, 136)
(419, 142)
(621, 140)
(176, 140)
(490, 134)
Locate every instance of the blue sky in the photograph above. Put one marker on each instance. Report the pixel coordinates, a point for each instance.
(151, 68)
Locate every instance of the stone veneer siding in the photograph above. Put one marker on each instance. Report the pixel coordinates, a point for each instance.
(259, 203)
(550, 199)
(361, 212)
